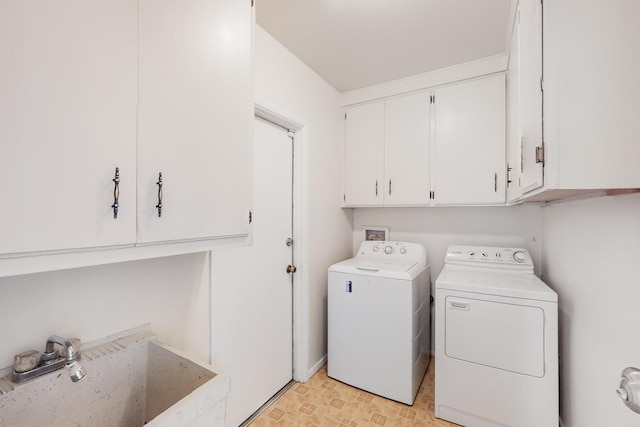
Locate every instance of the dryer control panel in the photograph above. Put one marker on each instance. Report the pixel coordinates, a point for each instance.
(492, 257)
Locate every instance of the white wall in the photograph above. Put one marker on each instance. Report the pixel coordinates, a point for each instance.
(591, 257)
(437, 228)
(172, 294)
(288, 87)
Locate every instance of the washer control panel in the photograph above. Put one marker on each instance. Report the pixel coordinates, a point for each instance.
(392, 250)
(497, 257)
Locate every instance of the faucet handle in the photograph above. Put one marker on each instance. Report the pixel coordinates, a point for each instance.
(75, 342)
(26, 361)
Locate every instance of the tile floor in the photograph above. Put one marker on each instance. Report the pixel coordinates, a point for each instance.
(324, 402)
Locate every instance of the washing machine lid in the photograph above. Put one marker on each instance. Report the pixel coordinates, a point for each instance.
(508, 284)
(389, 259)
(377, 267)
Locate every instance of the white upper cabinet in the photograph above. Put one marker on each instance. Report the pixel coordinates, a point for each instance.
(364, 155)
(469, 143)
(148, 87)
(529, 26)
(387, 152)
(68, 85)
(524, 93)
(514, 193)
(406, 167)
(440, 147)
(591, 97)
(195, 119)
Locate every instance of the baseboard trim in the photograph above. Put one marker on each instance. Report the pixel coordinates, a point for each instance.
(315, 368)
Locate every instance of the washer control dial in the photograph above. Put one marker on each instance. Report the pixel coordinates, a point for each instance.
(518, 256)
(388, 249)
(403, 250)
(376, 249)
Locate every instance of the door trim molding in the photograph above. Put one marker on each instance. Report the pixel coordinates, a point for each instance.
(300, 307)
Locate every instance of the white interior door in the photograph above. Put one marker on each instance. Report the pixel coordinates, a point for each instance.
(251, 289)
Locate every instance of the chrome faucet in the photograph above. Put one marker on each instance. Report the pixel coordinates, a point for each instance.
(32, 364)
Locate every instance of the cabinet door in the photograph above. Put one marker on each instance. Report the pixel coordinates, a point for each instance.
(514, 193)
(68, 85)
(406, 160)
(530, 105)
(195, 119)
(364, 155)
(469, 145)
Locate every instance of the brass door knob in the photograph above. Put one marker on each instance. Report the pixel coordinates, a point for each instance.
(291, 269)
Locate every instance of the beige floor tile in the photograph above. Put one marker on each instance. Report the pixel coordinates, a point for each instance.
(325, 402)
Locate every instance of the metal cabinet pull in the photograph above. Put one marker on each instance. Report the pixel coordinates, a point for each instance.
(389, 186)
(116, 193)
(159, 205)
(495, 182)
(376, 187)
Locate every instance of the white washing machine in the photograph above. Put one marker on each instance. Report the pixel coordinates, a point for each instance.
(496, 340)
(379, 319)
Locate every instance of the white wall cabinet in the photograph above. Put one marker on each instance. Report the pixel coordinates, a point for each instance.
(525, 102)
(445, 146)
(591, 101)
(469, 143)
(364, 155)
(407, 162)
(514, 193)
(195, 119)
(387, 152)
(529, 27)
(163, 87)
(67, 119)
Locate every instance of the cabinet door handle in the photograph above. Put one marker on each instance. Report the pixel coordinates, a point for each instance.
(116, 193)
(376, 188)
(159, 205)
(495, 182)
(389, 186)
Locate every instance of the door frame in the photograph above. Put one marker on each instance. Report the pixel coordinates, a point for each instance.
(300, 280)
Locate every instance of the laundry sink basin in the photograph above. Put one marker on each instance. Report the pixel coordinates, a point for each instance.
(132, 381)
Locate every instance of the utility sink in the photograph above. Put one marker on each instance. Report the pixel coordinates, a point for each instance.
(132, 381)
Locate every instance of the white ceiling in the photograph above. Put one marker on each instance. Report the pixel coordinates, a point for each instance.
(358, 43)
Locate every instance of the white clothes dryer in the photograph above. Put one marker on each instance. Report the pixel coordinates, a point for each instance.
(496, 340)
(379, 319)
